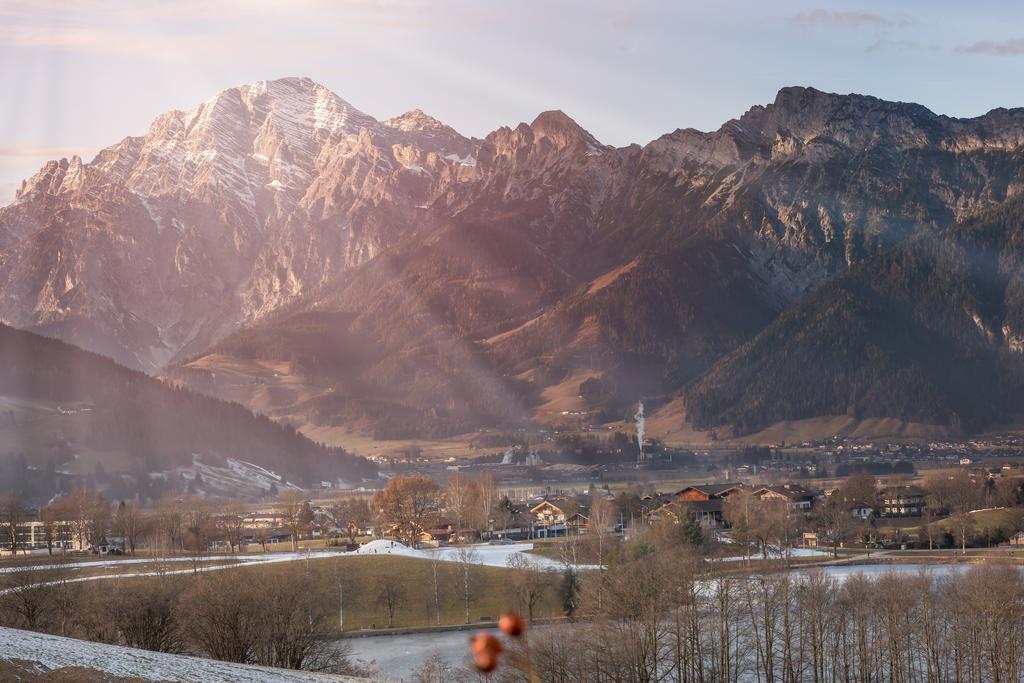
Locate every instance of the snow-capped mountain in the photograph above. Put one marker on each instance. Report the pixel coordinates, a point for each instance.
(166, 242)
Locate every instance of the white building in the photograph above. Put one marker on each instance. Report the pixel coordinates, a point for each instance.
(32, 536)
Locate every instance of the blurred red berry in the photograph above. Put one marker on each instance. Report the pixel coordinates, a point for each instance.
(486, 648)
(486, 642)
(511, 624)
(485, 661)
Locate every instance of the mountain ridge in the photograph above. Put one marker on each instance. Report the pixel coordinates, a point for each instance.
(469, 266)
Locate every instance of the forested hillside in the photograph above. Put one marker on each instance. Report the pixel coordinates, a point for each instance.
(930, 332)
(151, 425)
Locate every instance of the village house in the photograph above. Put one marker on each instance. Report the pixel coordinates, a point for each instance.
(902, 501)
(800, 498)
(578, 524)
(861, 510)
(707, 513)
(650, 504)
(551, 516)
(705, 503)
(547, 513)
(517, 526)
(444, 533)
(436, 538)
(263, 520)
(708, 492)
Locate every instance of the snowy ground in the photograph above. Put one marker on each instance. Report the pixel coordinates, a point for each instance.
(55, 652)
(481, 553)
(498, 556)
(774, 554)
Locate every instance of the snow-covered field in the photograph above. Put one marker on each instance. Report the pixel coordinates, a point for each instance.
(498, 556)
(55, 652)
(480, 553)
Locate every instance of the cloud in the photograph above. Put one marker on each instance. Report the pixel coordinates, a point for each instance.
(111, 42)
(886, 41)
(820, 18)
(196, 30)
(1005, 48)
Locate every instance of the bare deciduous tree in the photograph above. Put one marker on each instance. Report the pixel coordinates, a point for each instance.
(835, 523)
(12, 514)
(460, 497)
(291, 504)
(27, 598)
(486, 500)
(405, 502)
(602, 518)
(231, 526)
(129, 523)
(467, 558)
(529, 582)
(352, 514)
(391, 592)
(146, 615)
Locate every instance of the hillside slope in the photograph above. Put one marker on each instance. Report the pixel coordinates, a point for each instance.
(60, 402)
(931, 332)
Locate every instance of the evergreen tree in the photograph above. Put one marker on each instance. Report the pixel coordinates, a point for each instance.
(569, 591)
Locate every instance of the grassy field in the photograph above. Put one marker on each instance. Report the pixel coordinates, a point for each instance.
(983, 519)
(493, 590)
(119, 569)
(360, 578)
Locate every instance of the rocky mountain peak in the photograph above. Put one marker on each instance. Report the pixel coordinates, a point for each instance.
(415, 120)
(551, 138)
(562, 131)
(56, 177)
(804, 113)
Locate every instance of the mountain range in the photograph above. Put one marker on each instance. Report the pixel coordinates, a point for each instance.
(822, 255)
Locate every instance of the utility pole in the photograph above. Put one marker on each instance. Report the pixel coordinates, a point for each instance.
(341, 605)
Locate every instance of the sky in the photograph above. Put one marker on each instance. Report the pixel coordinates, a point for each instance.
(78, 76)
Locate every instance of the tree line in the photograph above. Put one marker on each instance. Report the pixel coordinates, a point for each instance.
(271, 618)
(661, 613)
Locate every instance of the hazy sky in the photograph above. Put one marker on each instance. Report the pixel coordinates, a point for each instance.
(77, 76)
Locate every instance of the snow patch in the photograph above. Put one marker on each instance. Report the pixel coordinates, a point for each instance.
(468, 160)
(385, 547)
(416, 168)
